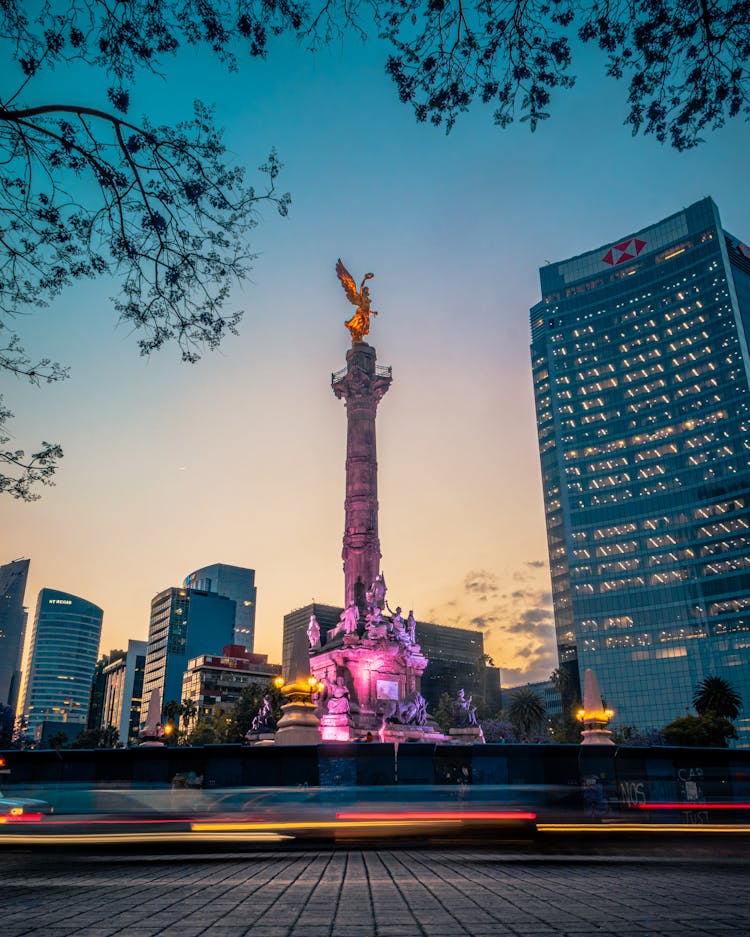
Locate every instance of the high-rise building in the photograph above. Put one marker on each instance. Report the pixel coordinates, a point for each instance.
(184, 623)
(640, 364)
(99, 688)
(456, 662)
(64, 645)
(235, 582)
(13, 578)
(123, 690)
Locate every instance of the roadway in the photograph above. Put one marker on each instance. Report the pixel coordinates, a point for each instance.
(703, 891)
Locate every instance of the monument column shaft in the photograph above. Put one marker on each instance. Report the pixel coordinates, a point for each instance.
(361, 386)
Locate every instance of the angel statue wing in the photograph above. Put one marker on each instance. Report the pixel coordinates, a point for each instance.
(359, 324)
(347, 281)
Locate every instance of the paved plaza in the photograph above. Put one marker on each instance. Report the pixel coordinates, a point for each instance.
(399, 893)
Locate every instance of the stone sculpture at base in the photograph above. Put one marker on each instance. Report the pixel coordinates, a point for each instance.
(263, 727)
(335, 725)
(313, 632)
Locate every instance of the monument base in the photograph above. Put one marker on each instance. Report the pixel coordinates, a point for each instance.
(401, 733)
(469, 735)
(336, 727)
(260, 738)
(299, 725)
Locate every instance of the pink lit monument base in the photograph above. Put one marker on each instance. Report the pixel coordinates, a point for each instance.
(377, 680)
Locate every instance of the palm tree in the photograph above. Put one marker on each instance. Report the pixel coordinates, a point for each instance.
(717, 695)
(526, 710)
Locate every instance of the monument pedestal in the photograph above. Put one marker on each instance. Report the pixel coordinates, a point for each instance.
(260, 738)
(336, 727)
(393, 732)
(298, 725)
(596, 733)
(470, 735)
(377, 672)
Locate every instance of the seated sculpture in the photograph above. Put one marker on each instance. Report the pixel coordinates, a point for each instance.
(376, 626)
(338, 697)
(464, 711)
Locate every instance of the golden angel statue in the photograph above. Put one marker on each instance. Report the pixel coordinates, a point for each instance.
(359, 324)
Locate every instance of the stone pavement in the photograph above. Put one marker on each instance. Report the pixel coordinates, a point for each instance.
(353, 893)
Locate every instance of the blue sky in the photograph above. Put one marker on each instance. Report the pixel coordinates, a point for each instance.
(240, 459)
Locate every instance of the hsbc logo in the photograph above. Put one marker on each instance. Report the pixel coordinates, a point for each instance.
(626, 250)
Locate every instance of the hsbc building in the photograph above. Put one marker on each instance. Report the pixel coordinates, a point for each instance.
(640, 362)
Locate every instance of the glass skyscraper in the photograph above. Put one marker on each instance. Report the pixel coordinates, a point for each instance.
(184, 624)
(64, 647)
(235, 582)
(640, 364)
(13, 578)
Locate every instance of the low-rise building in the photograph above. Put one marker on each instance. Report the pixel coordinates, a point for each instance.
(212, 680)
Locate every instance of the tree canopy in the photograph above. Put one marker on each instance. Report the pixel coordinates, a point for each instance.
(706, 731)
(527, 712)
(92, 190)
(717, 695)
(87, 191)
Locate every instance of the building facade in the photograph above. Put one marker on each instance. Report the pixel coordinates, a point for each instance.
(237, 583)
(640, 364)
(123, 691)
(64, 646)
(456, 661)
(298, 620)
(13, 616)
(184, 623)
(214, 681)
(95, 718)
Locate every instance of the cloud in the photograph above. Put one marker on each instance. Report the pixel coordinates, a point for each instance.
(480, 582)
(512, 609)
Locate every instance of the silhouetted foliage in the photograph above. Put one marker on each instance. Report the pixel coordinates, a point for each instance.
(498, 729)
(166, 212)
(565, 730)
(89, 190)
(7, 722)
(706, 731)
(632, 735)
(717, 695)
(443, 713)
(686, 62)
(527, 712)
(105, 737)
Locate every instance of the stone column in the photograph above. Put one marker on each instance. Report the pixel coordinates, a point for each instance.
(362, 385)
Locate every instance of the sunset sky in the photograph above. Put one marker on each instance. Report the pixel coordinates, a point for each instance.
(240, 458)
